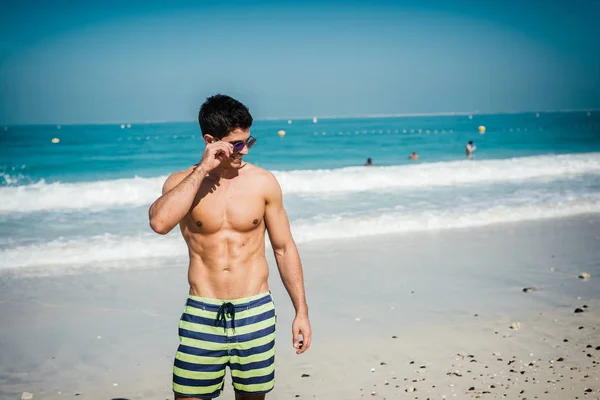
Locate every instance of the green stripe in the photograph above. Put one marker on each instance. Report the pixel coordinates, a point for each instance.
(254, 372)
(256, 342)
(196, 390)
(201, 359)
(184, 373)
(254, 311)
(260, 387)
(218, 302)
(201, 344)
(213, 330)
(238, 314)
(253, 357)
(201, 312)
(242, 330)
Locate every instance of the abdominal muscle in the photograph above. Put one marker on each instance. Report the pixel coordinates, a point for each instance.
(227, 265)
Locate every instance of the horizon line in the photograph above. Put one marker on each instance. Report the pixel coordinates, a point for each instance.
(327, 117)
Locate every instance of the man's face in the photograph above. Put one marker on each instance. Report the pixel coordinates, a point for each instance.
(237, 135)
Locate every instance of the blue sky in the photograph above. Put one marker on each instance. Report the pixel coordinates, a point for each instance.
(126, 61)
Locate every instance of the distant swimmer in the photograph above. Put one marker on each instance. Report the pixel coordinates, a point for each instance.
(369, 162)
(470, 149)
(414, 156)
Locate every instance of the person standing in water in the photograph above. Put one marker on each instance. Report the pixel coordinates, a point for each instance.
(469, 149)
(223, 207)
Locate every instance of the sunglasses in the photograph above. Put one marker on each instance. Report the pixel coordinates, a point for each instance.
(240, 144)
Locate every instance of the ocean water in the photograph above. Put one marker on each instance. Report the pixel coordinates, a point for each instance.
(83, 202)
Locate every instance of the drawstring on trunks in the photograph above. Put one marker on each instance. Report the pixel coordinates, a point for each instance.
(226, 309)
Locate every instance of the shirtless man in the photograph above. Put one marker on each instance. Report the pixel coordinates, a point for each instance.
(223, 206)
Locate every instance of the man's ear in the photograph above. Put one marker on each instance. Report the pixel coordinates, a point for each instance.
(208, 139)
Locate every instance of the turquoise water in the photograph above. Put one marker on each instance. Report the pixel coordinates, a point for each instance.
(83, 201)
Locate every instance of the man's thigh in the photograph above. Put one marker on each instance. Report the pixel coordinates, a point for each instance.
(202, 356)
(252, 360)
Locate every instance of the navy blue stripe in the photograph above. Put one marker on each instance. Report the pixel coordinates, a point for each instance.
(197, 382)
(199, 367)
(194, 351)
(222, 339)
(253, 365)
(238, 307)
(212, 395)
(255, 335)
(207, 337)
(254, 380)
(238, 322)
(253, 350)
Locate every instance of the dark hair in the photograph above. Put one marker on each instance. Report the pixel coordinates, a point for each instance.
(470, 142)
(221, 114)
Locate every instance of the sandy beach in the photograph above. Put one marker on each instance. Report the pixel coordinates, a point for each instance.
(429, 315)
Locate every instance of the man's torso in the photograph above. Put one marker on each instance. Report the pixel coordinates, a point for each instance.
(225, 234)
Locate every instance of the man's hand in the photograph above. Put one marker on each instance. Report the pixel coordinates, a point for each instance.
(301, 326)
(214, 154)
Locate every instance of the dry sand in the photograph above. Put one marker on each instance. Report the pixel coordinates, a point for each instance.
(407, 316)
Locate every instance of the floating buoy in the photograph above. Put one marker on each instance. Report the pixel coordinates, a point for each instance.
(58, 127)
(289, 121)
(315, 120)
(470, 117)
(281, 133)
(481, 129)
(122, 126)
(55, 140)
(129, 125)
(537, 115)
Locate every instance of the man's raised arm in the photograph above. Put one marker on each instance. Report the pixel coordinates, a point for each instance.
(178, 195)
(180, 189)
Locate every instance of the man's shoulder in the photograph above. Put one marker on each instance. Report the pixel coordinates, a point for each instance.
(176, 177)
(263, 178)
(180, 175)
(261, 173)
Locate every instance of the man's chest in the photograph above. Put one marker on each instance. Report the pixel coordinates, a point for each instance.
(234, 207)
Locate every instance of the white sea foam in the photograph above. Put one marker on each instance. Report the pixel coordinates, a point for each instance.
(102, 249)
(440, 174)
(340, 228)
(94, 195)
(137, 191)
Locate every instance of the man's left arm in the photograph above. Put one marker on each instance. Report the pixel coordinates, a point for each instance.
(288, 262)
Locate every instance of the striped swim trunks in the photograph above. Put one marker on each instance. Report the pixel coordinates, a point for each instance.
(214, 334)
